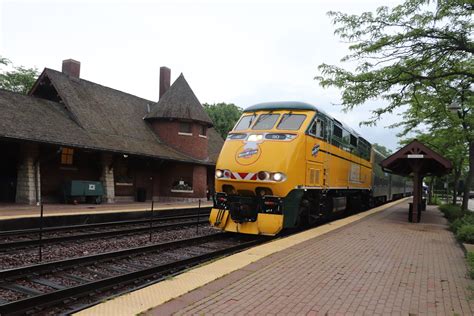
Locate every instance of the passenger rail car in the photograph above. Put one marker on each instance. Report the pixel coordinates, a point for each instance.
(287, 164)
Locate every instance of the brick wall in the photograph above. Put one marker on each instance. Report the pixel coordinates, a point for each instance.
(174, 172)
(192, 145)
(86, 166)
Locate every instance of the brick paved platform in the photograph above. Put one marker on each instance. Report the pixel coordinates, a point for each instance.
(379, 265)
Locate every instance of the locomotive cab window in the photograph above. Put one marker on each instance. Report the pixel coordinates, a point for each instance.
(318, 128)
(266, 121)
(291, 121)
(245, 122)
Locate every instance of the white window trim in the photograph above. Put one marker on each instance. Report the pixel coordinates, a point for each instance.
(185, 134)
(182, 191)
(202, 136)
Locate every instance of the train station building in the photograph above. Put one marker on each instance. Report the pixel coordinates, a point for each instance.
(68, 128)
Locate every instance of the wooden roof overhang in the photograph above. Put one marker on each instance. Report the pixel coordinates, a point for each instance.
(416, 157)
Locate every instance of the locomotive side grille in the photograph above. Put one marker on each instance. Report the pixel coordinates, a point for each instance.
(314, 176)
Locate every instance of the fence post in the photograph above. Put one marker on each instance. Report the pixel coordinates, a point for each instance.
(197, 222)
(41, 234)
(151, 219)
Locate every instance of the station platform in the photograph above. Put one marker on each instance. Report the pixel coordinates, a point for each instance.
(14, 211)
(370, 263)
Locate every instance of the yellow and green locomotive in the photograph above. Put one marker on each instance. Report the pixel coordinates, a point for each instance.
(287, 164)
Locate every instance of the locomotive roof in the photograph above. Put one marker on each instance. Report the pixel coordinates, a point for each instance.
(281, 105)
(296, 105)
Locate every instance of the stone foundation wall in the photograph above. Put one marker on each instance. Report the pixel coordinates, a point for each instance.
(28, 177)
(107, 178)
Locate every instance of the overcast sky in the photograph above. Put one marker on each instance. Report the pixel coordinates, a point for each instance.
(241, 52)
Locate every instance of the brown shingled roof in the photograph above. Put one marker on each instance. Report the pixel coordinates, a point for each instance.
(89, 116)
(38, 120)
(179, 102)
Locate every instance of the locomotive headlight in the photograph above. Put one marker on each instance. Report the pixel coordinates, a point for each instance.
(255, 137)
(278, 176)
(219, 173)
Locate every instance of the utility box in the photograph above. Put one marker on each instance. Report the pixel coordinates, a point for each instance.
(91, 191)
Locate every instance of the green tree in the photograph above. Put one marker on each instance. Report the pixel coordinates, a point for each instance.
(223, 115)
(19, 79)
(416, 56)
(382, 149)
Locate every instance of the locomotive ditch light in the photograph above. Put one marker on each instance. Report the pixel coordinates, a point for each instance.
(263, 175)
(219, 173)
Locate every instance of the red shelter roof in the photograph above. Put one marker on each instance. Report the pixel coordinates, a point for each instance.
(427, 161)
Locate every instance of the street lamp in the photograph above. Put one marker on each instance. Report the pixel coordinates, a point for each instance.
(454, 107)
(457, 106)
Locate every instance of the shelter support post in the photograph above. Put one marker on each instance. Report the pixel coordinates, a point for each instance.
(415, 215)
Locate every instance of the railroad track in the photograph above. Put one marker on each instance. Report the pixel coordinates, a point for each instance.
(29, 237)
(36, 287)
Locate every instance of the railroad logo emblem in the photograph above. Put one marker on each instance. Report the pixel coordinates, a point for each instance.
(315, 150)
(249, 152)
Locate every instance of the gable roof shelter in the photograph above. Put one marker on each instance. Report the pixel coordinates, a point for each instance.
(417, 160)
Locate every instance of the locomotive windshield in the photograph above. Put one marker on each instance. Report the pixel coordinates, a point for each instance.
(245, 122)
(266, 121)
(291, 121)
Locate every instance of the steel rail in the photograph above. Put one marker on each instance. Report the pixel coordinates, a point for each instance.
(47, 299)
(9, 274)
(100, 225)
(108, 233)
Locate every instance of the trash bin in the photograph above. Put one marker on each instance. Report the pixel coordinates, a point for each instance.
(141, 195)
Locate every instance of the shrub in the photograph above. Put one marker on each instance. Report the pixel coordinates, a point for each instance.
(470, 263)
(466, 219)
(451, 212)
(466, 233)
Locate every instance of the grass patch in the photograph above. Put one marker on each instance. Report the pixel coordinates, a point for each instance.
(451, 212)
(470, 264)
(465, 233)
(467, 219)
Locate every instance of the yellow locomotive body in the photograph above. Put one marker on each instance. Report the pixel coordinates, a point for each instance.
(287, 164)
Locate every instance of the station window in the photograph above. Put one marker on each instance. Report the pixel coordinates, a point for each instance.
(203, 131)
(67, 155)
(185, 128)
(183, 184)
